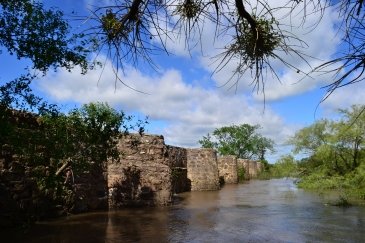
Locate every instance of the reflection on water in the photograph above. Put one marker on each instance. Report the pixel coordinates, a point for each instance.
(260, 211)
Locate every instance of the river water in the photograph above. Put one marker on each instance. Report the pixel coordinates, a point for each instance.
(259, 211)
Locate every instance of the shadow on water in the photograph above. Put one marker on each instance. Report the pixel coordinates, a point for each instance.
(260, 211)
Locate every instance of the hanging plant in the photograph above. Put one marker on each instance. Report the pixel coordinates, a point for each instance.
(113, 27)
(255, 43)
(188, 9)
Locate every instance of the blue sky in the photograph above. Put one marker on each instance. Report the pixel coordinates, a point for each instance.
(184, 101)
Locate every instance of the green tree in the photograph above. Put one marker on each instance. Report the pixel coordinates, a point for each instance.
(82, 140)
(337, 146)
(206, 142)
(286, 166)
(308, 139)
(28, 30)
(43, 37)
(351, 132)
(241, 140)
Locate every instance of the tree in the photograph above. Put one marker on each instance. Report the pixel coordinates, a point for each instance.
(350, 131)
(28, 30)
(335, 154)
(52, 144)
(242, 141)
(309, 139)
(338, 147)
(41, 36)
(286, 166)
(132, 30)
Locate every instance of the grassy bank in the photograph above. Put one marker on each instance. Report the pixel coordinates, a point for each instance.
(351, 185)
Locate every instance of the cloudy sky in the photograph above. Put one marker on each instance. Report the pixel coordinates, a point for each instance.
(185, 101)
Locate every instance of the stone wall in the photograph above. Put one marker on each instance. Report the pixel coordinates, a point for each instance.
(143, 176)
(178, 162)
(227, 168)
(245, 164)
(260, 166)
(252, 168)
(22, 175)
(90, 188)
(202, 169)
(21, 199)
(17, 191)
(149, 173)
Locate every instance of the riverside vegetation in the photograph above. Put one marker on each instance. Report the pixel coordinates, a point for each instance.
(333, 156)
(332, 153)
(52, 150)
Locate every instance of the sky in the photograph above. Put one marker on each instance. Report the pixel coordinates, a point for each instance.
(184, 100)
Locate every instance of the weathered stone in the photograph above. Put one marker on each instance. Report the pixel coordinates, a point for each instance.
(252, 168)
(227, 167)
(149, 173)
(202, 161)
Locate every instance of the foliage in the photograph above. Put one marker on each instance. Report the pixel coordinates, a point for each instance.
(28, 30)
(348, 65)
(335, 153)
(256, 45)
(124, 30)
(132, 30)
(242, 141)
(206, 142)
(42, 36)
(308, 139)
(336, 146)
(241, 174)
(53, 145)
(286, 166)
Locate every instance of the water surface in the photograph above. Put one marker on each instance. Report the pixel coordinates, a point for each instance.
(260, 211)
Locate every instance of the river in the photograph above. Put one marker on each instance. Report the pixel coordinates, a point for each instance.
(259, 211)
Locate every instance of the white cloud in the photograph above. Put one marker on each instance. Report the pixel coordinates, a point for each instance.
(190, 111)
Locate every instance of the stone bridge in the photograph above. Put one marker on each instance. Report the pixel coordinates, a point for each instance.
(164, 170)
(149, 173)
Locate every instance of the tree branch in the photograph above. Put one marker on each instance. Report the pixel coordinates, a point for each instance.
(244, 14)
(67, 163)
(132, 15)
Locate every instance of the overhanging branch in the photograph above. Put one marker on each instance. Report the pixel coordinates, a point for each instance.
(244, 14)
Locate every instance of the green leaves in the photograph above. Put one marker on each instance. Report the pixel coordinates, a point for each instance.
(240, 140)
(286, 166)
(310, 138)
(27, 30)
(52, 143)
(337, 146)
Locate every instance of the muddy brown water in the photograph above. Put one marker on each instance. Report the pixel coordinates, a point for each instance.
(259, 211)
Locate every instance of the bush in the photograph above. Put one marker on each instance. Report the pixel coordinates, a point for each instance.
(241, 174)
